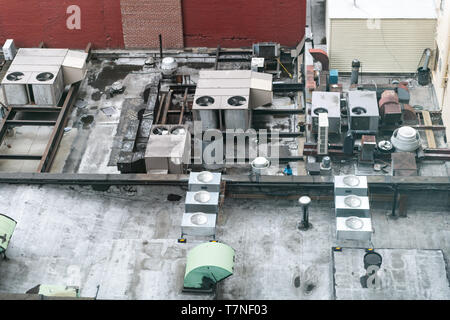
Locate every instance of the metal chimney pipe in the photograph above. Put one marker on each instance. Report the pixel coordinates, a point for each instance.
(427, 59)
(355, 71)
(304, 203)
(160, 47)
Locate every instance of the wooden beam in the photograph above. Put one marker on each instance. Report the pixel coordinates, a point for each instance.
(430, 135)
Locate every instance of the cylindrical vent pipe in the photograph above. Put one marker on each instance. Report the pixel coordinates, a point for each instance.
(355, 71)
(427, 59)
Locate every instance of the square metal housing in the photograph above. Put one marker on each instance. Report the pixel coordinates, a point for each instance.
(47, 92)
(348, 185)
(352, 206)
(331, 103)
(202, 201)
(353, 228)
(363, 110)
(209, 181)
(199, 224)
(15, 88)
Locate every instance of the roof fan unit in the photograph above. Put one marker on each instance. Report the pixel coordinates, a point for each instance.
(322, 136)
(202, 201)
(47, 86)
(363, 110)
(208, 181)
(354, 228)
(15, 87)
(199, 224)
(330, 103)
(348, 206)
(237, 112)
(206, 109)
(350, 185)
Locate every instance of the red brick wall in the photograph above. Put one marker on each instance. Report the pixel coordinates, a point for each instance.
(32, 21)
(144, 20)
(238, 23)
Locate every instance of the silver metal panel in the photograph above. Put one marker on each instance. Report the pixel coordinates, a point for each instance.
(348, 185)
(16, 91)
(369, 118)
(195, 203)
(352, 206)
(199, 224)
(354, 228)
(237, 119)
(209, 118)
(331, 102)
(209, 181)
(42, 52)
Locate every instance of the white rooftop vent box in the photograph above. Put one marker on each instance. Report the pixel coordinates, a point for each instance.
(387, 36)
(199, 224)
(15, 87)
(322, 135)
(209, 181)
(168, 149)
(47, 86)
(350, 185)
(202, 201)
(74, 66)
(9, 50)
(363, 110)
(352, 206)
(354, 228)
(330, 103)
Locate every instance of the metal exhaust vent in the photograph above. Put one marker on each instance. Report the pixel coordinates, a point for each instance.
(359, 111)
(352, 206)
(198, 224)
(205, 101)
(237, 101)
(178, 131)
(160, 131)
(350, 185)
(205, 180)
(354, 228)
(202, 201)
(15, 76)
(45, 76)
(317, 111)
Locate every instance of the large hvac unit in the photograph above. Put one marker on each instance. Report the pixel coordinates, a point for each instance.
(322, 136)
(363, 110)
(354, 228)
(208, 181)
(202, 201)
(236, 110)
(330, 103)
(349, 206)
(199, 224)
(15, 87)
(47, 86)
(168, 149)
(350, 185)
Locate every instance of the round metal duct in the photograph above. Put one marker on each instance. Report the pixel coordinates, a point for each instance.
(178, 131)
(45, 76)
(202, 196)
(354, 223)
(15, 76)
(199, 219)
(406, 139)
(359, 111)
(352, 202)
(351, 181)
(205, 101)
(205, 177)
(320, 110)
(237, 101)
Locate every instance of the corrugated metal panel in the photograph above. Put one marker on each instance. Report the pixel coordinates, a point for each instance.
(382, 46)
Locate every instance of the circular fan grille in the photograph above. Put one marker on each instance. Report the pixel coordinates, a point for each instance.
(45, 76)
(205, 101)
(15, 76)
(359, 110)
(237, 101)
(320, 110)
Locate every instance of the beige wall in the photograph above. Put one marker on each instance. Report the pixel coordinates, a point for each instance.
(442, 63)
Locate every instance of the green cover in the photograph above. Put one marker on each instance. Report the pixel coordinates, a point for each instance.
(7, 226)
(212, 260)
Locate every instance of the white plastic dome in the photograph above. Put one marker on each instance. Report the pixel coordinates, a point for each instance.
(406, 139)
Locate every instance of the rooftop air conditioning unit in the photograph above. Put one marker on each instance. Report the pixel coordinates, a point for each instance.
(330, 103)
(350, 185)
(354, 228)
(205, 180)
(352, 206)
(48, 86)
(202, 201)
(322, 137)
(168, 149)
(15, 87)
(199, 224)
(363, 110)
(236, 111)
(206, 109)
